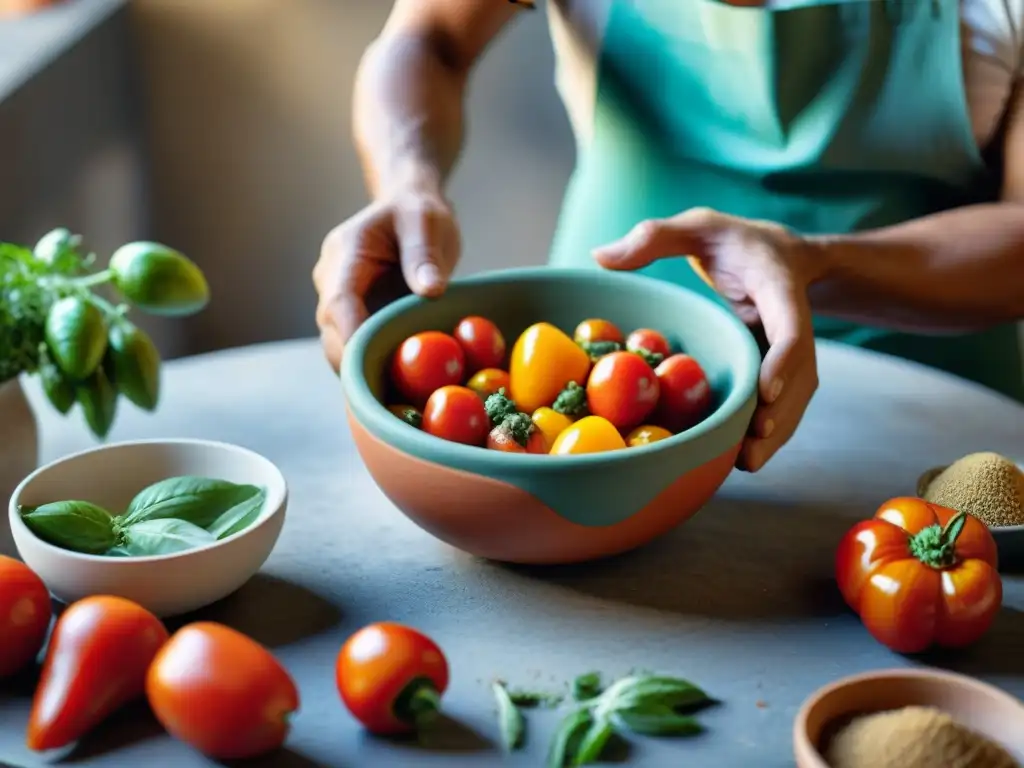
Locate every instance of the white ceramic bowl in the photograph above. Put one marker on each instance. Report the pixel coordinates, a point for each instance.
(110, 476)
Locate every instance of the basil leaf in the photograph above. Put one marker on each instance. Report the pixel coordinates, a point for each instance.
(59, 390)
(79, 526)
(510, 719)
(164, 536)
(76, 333)
(593, 743)
(586, 686)
(671, 692)
(568, 737)
(118, 552)
(98, 399)
(655, 720)
(136, 363)
(239, 517)
(197, 500)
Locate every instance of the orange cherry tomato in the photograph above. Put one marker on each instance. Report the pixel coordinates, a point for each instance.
(595, 330)
(409, 414)
(623, 389)
(646, 435)
(25, 613)
(517, 434)
(685, 394)
(919, 574)
(647, 342)
(488, 381)
(426, 362)
(482, 342)
(551, 423)
(456, 414)
(96, 663)
(221, 692)
(544, 361)
(591, 434)
(391, 677)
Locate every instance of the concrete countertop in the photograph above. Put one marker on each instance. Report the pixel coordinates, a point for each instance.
(740, 599)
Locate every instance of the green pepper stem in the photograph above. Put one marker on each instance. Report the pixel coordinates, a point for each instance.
(935, 545)
(97, 278)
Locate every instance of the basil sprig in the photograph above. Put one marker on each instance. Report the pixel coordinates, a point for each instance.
(169, 516)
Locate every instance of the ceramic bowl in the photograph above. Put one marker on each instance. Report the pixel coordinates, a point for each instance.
(981, 707)
(110, 476)
(1009, 539)
(525, 508)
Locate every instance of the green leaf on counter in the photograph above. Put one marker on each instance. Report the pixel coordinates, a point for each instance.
(510, 719)
(79, 526)
(568, 738)
(586, 686)
(593, 742)
(654, 720)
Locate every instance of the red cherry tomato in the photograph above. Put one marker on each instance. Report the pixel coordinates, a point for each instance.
(408, 414)
(647, 340)
(456, 414)
(488, 381)
(623, 389)
(685, 398)
(25, 613)
(391, 677)
(425, 362)
(482, 342)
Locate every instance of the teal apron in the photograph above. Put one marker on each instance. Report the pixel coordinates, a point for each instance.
(827, 116)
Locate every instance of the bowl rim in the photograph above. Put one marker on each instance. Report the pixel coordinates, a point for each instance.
(380, 422)
(946, 677)
(269, 511)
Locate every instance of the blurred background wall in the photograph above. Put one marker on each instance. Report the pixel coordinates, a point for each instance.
(242, 108)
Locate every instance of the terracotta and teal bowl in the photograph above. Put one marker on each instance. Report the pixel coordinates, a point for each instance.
(525, 508)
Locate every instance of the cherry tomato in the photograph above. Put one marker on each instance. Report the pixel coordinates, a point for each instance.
(623, 389)
(96, 663)
(594, 330)
(919, 574)
(517, 434)
(645, 340)
(543, 361)
(221, 692)
(25, 614)
(482, 342)
(391, 677)
(425, 362)
(551, 423)
(685, 398)
(591, 434)
(488, 381)
(456, 414)
(409, 414)
(646, 435)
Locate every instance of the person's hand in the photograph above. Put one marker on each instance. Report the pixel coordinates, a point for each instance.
(414, 231)
(764, 270)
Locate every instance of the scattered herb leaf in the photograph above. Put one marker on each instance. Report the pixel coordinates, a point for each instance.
(586, 686)
(568, 737)
(510, 719)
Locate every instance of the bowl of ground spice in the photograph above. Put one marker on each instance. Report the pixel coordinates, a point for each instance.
(909, 718)
(988, 486)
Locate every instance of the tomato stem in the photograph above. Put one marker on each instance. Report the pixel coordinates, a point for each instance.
(499, 407)
(935, 545)
(571, 401)
(418, 703)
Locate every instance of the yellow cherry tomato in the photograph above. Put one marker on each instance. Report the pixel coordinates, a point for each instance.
(551, 423)
(544, 361)
(591, 434)
(488, 381)
(646, 435)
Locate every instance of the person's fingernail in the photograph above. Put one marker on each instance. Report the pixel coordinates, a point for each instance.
(428, 276)
(769, 425)
(775, 391)
(610, 251)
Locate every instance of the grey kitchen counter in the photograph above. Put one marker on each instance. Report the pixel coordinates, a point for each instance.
(740, 600)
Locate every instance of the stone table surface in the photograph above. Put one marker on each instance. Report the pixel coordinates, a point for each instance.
(740, 600)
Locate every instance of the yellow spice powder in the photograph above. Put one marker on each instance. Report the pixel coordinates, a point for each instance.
(986, 485)
(913, 737)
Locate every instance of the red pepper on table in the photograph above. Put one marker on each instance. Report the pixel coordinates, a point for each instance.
(391, 678)
(919, 574)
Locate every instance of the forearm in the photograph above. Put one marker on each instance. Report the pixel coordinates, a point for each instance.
(960, 270)
(408, 113)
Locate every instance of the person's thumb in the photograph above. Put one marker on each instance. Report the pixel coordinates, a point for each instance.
(424, 239)
(653, 239)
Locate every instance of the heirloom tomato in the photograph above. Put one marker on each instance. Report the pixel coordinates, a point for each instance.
(544, 361)
(622, 388)
(517, 434)
(25, 613)
(551, 423)
(456, 414)
(391, 678)
(591, 434)
(685, 394)
(919, 574)
(425, 362)
(488, 381)
(482, 342)
(646, 435)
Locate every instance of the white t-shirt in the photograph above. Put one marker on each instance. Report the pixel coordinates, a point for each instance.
(990, 34)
